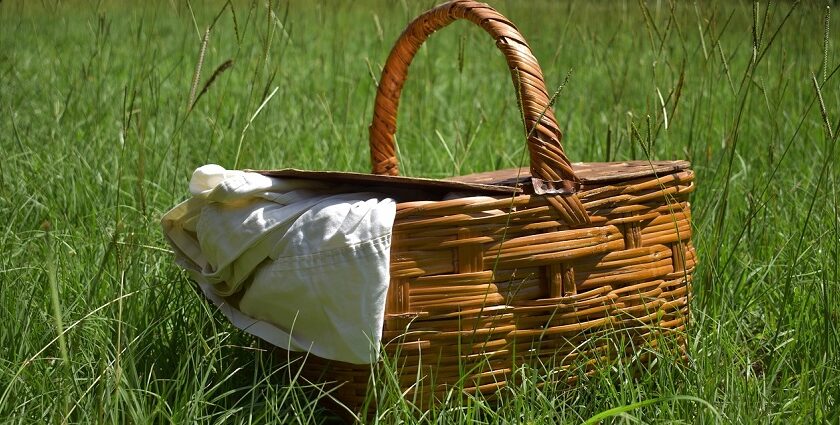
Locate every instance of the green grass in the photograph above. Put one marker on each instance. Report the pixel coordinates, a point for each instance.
(99, 325)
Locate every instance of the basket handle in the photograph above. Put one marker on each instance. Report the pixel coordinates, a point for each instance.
(549, 163)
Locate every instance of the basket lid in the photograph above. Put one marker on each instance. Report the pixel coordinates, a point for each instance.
(513, 180)
(393, 182)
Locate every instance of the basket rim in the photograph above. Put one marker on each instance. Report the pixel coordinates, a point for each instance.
(507, 181)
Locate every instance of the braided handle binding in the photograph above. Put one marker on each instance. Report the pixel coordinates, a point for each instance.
(549, 163)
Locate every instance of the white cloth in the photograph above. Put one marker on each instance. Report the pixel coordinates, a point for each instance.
(307, 263)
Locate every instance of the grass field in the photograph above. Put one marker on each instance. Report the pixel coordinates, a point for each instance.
(97, 325)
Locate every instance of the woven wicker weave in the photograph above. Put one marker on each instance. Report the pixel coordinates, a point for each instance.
(480, 285)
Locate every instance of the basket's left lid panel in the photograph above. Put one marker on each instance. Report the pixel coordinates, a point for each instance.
(391, 183)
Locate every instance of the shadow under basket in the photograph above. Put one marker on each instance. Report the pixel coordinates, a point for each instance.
(558, 264)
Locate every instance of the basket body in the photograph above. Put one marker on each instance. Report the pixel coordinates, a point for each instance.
(480, 285)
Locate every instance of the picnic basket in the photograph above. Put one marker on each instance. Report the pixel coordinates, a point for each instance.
(551, 265)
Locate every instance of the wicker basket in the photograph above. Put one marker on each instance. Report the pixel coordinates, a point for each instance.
(548, 275)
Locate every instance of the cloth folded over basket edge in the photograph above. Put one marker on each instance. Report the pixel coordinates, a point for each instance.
(296, 263)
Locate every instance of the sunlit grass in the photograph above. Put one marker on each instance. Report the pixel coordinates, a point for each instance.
(105, 111)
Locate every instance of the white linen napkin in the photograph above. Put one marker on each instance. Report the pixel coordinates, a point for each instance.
(308, 263)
